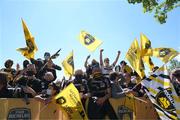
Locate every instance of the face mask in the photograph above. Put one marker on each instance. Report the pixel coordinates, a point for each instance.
(8, 65)
(78, 77)
(113, 78)
(49, 92)
(46, 57)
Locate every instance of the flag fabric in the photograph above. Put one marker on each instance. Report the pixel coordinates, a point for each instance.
(159, 91)
(134, 57)
(146, 51)
(31, 47)
(70, 101)
(68, 65)
(165, 54)
(27, 33)
(148, 61)
(89, 41)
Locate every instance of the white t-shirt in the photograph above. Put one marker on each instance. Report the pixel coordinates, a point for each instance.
(106, 70)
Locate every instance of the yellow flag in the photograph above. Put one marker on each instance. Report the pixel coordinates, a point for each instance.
(134, 57)
(31, 47)
(27, 33)
(70, 101)
(159, 90)
(146, 51)
(148, 61)
(90, 42)
(68, 65)
(165, 54)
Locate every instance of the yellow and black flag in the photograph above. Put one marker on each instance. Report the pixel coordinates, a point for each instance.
(165, 54)
(134, 57)
(160, 91)
(89, 41)
(70, 101)
(146, 51)
(31, 48)
(68, 65)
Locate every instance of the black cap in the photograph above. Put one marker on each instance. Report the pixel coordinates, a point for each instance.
(47, 54)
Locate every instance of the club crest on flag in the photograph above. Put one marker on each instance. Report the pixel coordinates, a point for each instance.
(148, 45)
(30, 45)
(61, 100)
(68, 64)
(163, 52)
(164, 100)
(88, 39)
(70, 61)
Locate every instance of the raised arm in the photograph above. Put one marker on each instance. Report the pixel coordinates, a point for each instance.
(86, 62)
(101, 58)
(118, 55)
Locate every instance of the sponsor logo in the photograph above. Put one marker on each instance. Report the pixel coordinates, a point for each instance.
(19, 114)
(124, 113)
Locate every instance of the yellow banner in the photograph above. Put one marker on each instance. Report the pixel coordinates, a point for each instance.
(165, 54)
(68, 65)
(146, 51)
(69, 100)
(31, 47)
(134, 57)
(88, 41)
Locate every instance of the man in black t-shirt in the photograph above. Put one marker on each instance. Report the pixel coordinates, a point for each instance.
(4, 92)
(100, 91)
(80, 83)
(11, 72)
(30, 81)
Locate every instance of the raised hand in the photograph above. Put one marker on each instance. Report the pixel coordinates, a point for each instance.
(101, 50)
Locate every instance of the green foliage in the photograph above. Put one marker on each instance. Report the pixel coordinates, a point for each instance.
(159, 7)
(174, 64)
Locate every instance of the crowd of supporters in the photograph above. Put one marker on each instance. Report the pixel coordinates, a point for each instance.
(100, 81)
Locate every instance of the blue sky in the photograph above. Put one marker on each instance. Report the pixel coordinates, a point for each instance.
(57, 23)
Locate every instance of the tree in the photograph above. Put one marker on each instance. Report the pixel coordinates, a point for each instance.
(174, 64)
(159, 7)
